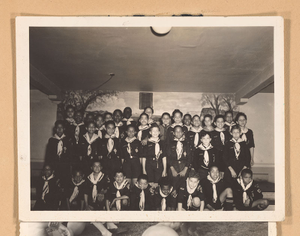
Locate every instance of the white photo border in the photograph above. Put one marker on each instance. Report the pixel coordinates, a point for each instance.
(23, 118)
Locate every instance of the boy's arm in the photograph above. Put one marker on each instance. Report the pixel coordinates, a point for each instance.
(202, 206)
(107, 203)
(86, 202)
(164, 173)
(82, 205)
(68, 203)
(179, 206)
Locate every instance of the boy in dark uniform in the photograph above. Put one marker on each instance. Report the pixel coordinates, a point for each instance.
(59, 152)
(69, 120)
(177, 118)
(217, 192)
(190, 195)
(111, 151)
(118, 193)
(187, 121)
(130, 149)
(229, 122)
(78, 128)
(48, 191)
(128, 120)
(220, 136)
(100, 127)
(165, 124)
(193, 135)
(164, 200)
(120, 128)
(96, 187)
(247, 194)
(141, 198)
(155, 161)
(179, 158)
(75, 191)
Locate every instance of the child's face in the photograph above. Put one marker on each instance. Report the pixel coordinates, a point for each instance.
(155, 132)
(127, 113)
(78, 117)
(207, 121)
(242, 121)
(143, 184)
(187, 120)
(108, 117)
(178, 132)
(166, 119)
(165, 189)
(235, 133)
(70, 112)
(96, 168)
(247, 178)
(193, 182)
(214, 173)
(91, 128)
(99, 121)
(60, 130)
(118, 116)
(220, 123)
(110, 129)
(131, 132)
(177, 118)
(78, 177)
(90, 117)
(48, 171)
(206, 140)
(144, 120)
(229, 117)
(196, 121)
(119, 177)
(148, 111)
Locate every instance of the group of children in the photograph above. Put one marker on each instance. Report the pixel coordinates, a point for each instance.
(112, 162)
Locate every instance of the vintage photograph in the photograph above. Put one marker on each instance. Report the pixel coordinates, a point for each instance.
(148, 229)
(142, 118)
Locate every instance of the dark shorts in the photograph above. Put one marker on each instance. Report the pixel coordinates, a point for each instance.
(132, 168)
(154, 170)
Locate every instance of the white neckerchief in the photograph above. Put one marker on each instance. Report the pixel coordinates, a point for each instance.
(173, 125)
(164, 200)
(128, 121)
(117, 130)
(60, 144)
(110, 142)
(206, 155)
(90, 141)
(100, 131)
(129, 141)
(245, 188)
(188, 127)
(77, 131)
(179, 147)
(237, 147)
(197, 134)
(94, 181)
(214, 182)
(244, 136)
(142, 198)
(76, 190)
(118, 194)
(208, 130)
(46, 186)
(230, 124)
(190, 192)
(157, 146)
(70, 120)
(141, 128)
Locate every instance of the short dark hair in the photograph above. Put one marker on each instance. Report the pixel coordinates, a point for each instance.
(196, 116)
(110, 122)
(107, 113)
(117, 110)
(235, 127)
(206, 116)
(194, 174)
(77, 170)
(166, 114)
(143, 114)
(228, 112)
(164, 181)
(90, 122)
(238, 115)
(178, 126)
(176, 111)
(119, 171)
(213, 167)
(187, 115)
(59, 122)
(204, 133)
(246, 171)
(150, 108)
(70, 107)
(129, 108)
(154, 125)
(131, 126)
(218, 117)
(93, 161)
(99, 115)
(143, 176)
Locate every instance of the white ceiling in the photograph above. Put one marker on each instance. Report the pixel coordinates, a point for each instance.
(219, 60)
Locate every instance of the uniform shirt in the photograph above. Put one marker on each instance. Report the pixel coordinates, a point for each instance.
(183, 194)
(163, 131)
(52, 147)
(145, 133)
(70, 188)
(112, 192)
(170, 200)
(216, 139)
(135, 198)
(250, 139)
(149, 151)
(173, 157)
(230, 159)
(214, 159)
(207, 188)
(54, 193)
(170, 132)
(83, 147)
(82, 130)
(135, 148)
(116, 151)
(254, 193)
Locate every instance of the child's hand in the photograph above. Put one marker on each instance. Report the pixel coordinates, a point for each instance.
(233, 174)
(164, 174)
(252, 162)
(112, 203)
(100, 197)
(144, 142)
(174, 172)
(89, 208)
(144, 172)
(183, 172)
(210, 207)
(221, 175)
(174, 194)
(247, 203)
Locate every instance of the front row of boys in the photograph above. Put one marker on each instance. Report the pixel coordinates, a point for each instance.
(97, 192)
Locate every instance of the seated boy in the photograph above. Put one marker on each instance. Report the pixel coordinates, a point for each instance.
(48, 191)
(216, 191)
(75, 191)
(247, 194)
(190, 195)
(142, 195)
(164, 200)
(96, 188)
(118, 193)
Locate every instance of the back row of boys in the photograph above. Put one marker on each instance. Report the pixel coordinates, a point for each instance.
(156, 150)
